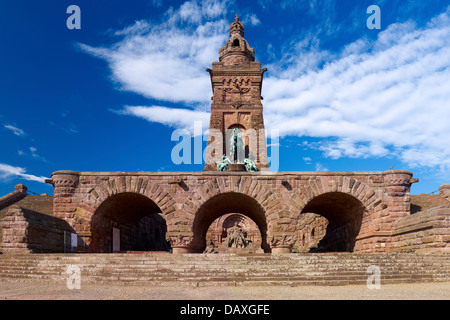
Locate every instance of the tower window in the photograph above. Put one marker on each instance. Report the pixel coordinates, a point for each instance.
(236, 43)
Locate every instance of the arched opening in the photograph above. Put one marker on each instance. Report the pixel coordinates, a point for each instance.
(236, 43)
(332, 221)
(245, 140)
(224, 204)
(128, 222)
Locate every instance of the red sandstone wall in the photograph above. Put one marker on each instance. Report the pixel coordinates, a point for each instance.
(425, 231)
(282, 196)
(28, 231)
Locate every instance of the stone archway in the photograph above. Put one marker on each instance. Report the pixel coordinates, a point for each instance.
(128, 222)
(112, 189)
(343, 214)
(349, 190)
(225, 203)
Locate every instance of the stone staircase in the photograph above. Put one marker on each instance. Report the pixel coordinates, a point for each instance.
(164, 269)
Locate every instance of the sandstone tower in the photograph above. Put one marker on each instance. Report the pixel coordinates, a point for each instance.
(236, 103)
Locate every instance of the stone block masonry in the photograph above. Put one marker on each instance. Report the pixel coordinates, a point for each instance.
(28, 231)
(362, 208)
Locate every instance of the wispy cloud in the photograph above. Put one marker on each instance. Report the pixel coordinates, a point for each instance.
(321, 167)
(15, 130)
(167, 61)
(8, 172)
(32, 153)
(66, 128)
(172, 117)
(389, 96)
(250, 19)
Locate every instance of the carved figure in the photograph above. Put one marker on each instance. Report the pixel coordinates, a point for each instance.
(236, 146)
(222, 165)
(250, 165)
(236, 238)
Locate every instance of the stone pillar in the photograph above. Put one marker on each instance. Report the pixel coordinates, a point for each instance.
(282, 243)
(65, 184)
(181, 244)
(397, 186)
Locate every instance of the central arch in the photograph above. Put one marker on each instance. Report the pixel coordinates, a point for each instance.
(225, 203)
(139, 221)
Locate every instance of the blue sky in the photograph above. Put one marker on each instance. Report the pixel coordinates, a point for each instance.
(108, 97)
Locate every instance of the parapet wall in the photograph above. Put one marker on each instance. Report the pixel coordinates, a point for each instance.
(28, 231)
(424, 232)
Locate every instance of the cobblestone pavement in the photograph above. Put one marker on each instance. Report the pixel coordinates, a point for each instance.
(405, 291)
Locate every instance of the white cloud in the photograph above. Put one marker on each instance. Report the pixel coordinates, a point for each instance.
(8, 171)
(168, 61)
(372, 99)
(307, 160)
(15, 130)
(175, 118)
(250, 19)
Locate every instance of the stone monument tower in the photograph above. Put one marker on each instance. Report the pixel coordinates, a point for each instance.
(236, 103)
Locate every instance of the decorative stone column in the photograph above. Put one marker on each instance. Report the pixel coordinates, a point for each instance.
(65, 184)
(282, 243)
(181, 244)
(397, 186)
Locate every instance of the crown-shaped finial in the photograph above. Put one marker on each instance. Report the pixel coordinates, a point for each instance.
(237, 26)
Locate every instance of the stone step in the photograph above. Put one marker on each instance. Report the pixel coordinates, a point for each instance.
(213, 281)
(235, 269)
(140, 270)
(133, 268)
(228, 269)
(225, 271)
(200, 261)
(227, 256)
(437, 273)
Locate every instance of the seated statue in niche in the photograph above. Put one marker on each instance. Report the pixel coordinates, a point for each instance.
(236, 238)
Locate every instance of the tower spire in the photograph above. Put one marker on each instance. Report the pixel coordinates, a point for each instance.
(236, 50)
(237, 27)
